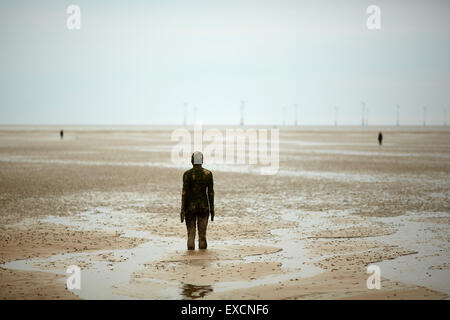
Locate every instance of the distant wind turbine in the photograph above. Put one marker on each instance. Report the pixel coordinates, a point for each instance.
(242, 112)
(398, 115)
(195, 114)
(424, 116)
(445, 116)
(335, 115)
(295, 114)
(367, 117)
(363, 112)
(185, 114)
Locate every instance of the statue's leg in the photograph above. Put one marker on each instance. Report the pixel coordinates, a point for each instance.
(202, 225)
(190, 225)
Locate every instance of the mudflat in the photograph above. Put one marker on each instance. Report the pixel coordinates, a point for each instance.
(107, 199)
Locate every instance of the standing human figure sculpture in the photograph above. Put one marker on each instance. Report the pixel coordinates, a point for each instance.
(197, 201)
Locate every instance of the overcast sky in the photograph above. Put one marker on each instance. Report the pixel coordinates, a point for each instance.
(137, 62)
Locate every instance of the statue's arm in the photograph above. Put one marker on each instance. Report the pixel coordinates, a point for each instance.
(211, 196)
(183, 197)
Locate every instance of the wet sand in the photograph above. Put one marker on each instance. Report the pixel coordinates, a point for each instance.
(108, 199)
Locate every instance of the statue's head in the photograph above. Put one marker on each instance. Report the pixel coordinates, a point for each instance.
(197, 158)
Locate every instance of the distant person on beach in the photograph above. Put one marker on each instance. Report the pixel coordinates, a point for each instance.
(197, 201)
(61, 134)
(380, 138)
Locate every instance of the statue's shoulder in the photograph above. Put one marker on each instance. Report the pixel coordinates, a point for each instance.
(187, 173)
(207, 172)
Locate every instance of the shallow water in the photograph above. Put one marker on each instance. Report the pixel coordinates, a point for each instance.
(313, 168)
(251, 169)
(103, 279)
(98, 280)
(431, 251)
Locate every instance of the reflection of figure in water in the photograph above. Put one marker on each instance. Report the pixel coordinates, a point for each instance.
(197, 201)
(61, 134)
(195, 292)
(380, 138)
